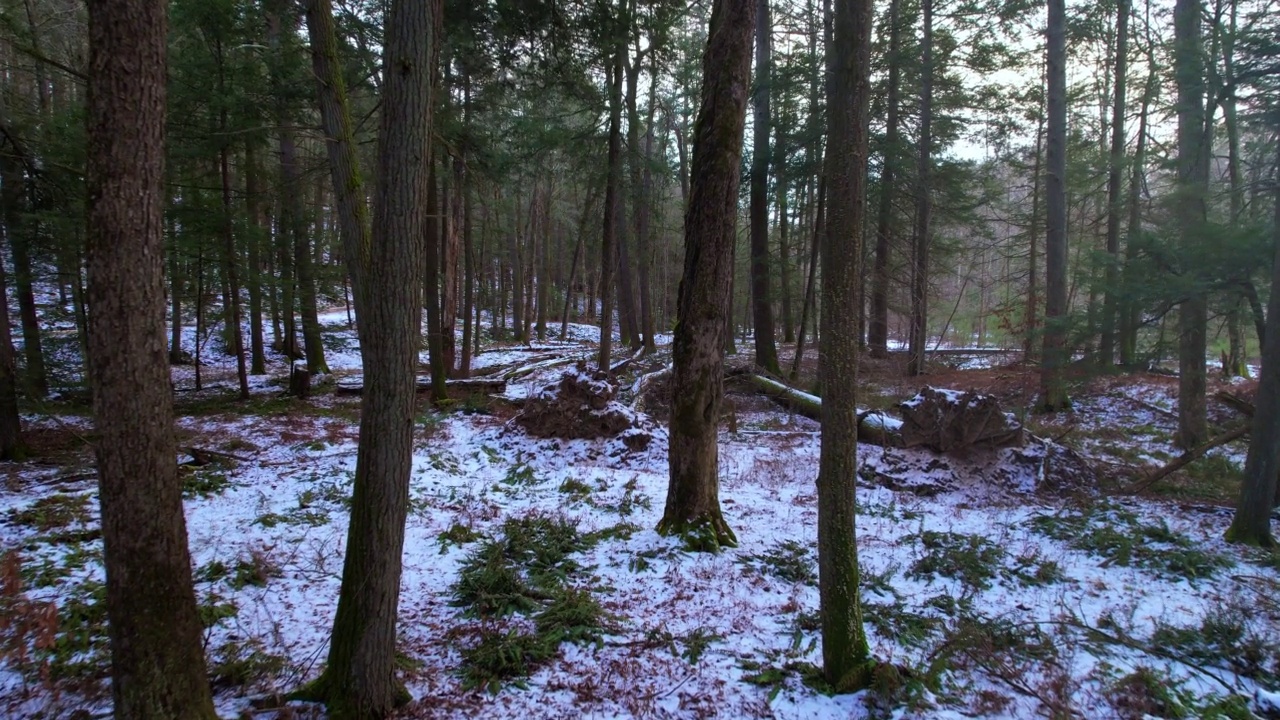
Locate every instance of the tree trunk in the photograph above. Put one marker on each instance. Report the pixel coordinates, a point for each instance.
(1252, 522)
(697, 379)
(644, 183)
(814, 248)
(845, 655)
(431, 290)
(544, 265)
(253, 208)
(1129, 311)
(878, 325)
(1032, 324)
(157, 662)
(175, 299)
(451, 241)
(1115, 198)
(924, 204)
(470, 325)
(359, 680)
(761, 297)
(612, 206)
(517, 279)
(36, 381)
(1053, 388)
(1193, 318)
(10, 421)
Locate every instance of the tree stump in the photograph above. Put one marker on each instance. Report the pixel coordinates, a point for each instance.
(299, 381)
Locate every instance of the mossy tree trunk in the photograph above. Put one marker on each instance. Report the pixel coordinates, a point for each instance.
(359, 681)
(845, 655)
(157, 662)
(697, 378)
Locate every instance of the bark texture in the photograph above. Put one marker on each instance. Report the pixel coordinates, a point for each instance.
(1252, 523)
(761, 297)
(697, 381)
(359, 681)
(157, 662)
(845, 655)
(1053, 388)
(1193, 313)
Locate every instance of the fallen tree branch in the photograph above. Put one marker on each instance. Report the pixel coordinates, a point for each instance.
(463, 386)
(205, 456)
(1189, 457)
(1235, 402)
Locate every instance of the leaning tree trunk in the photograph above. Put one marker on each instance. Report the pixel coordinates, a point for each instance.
(761, 297)
(697, 378)
(359, 680)
(1053, 388)
(1252, 523)
(157, 661)
(845, 655)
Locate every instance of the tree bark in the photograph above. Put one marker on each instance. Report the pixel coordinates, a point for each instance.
(359, 681)
(612, 205)
(761, 297)
(1129, 311)
(814, 248)
(157, 662)
(1191, 188)
(845, 655)
(697, 379)
(878, 325)
(431, 290)
(1115, 198)
(924, 204)
(253, 208)
(10, 421)
(1053, 388)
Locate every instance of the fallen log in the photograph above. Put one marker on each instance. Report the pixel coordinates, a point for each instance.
(1189, 457)
(1237, 403)
(460, 387)
(873, 426)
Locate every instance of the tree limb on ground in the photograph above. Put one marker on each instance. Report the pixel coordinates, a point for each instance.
(1189, 457)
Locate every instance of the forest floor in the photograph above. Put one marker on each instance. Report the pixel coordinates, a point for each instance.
(535, 586)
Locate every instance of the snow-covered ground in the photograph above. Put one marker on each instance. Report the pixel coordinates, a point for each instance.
(994, 598)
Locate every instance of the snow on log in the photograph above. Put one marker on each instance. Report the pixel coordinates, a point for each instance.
(873, 426)
(460, 386)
